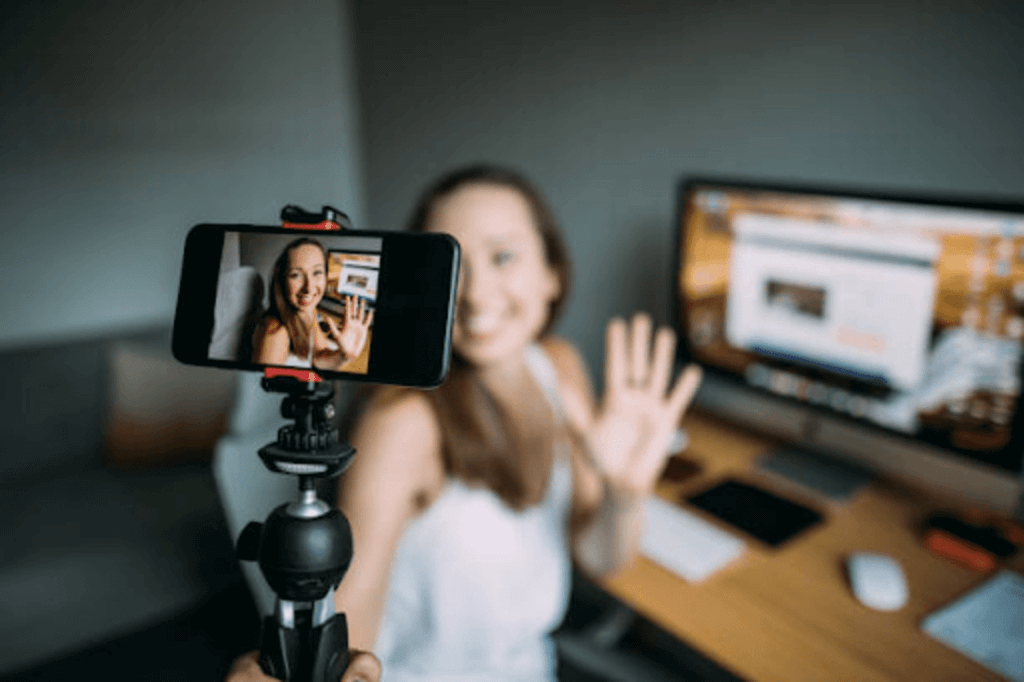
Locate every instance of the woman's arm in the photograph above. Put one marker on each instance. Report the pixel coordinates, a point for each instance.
(622, 443)
(270, 343)
(397, 470)
(603, 534)
(607, 535)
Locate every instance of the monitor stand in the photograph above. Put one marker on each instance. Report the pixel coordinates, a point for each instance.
(835, 479)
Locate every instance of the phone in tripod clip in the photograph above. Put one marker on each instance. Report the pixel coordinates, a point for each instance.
(366, 306)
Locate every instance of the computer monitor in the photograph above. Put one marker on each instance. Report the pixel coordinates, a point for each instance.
(351, 273)
(881, 329)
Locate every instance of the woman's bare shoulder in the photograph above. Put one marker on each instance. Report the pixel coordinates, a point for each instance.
(269, 328)
(270, 341)
(405, 406)
(272, 326)
(399, 438)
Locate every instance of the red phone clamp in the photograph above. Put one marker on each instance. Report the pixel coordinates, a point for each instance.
(329, 218)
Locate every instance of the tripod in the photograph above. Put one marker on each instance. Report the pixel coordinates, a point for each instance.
(304, 547)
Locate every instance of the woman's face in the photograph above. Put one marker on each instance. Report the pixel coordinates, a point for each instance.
(305, 278)
(505, 282)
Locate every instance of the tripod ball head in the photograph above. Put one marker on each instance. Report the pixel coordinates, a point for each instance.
(302, 558)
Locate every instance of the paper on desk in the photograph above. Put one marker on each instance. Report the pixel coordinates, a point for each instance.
(684, 543)
(986, 625)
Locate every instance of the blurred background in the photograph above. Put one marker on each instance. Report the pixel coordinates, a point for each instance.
(124, 124)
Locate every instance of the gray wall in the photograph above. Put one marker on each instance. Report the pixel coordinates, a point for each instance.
(122, 124)
(606, 104)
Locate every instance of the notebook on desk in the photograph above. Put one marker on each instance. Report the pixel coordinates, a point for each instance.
(685, 543)
(986, 624)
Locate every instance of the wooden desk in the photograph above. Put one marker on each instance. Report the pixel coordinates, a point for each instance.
(788, 614)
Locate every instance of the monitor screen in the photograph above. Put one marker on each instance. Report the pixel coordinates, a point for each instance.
(352, 274)
(904, 315)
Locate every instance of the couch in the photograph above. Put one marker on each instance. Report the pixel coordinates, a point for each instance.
(111, 517)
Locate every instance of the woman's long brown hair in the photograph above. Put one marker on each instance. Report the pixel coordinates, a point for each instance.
(478, 444)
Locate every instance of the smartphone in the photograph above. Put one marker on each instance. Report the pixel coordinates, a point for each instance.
(368, 306)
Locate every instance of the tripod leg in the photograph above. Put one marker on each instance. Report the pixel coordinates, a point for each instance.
(305, 654)
(330, 650)
(280, 650)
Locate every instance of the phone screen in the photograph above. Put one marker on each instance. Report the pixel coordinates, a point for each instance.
(361, 305)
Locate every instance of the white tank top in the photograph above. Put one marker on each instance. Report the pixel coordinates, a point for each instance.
(476, 587)
(294, 360)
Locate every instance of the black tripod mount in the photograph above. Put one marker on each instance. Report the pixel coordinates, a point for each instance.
(304, 547)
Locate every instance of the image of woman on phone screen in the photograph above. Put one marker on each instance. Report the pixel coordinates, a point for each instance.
(470, 503)
(293, 332)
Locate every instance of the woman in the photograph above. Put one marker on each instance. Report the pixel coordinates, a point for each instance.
(293, 332)
(468, 502)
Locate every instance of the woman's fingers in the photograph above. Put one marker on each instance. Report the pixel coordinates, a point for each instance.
(615, 369)
(350, 308)
(652, 460)
(639, 350)
(362, 667)
(246, 668)
(629, 360)
(663, 361)
(358, 310)
(332, 328)
(351, 305)
(684, 390)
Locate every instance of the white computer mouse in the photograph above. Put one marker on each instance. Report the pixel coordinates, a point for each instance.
(878, 581)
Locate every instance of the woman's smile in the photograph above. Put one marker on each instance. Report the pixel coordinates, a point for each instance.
(481, 324)
(308, 299)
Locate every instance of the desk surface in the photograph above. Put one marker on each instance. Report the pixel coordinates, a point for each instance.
(788, 614)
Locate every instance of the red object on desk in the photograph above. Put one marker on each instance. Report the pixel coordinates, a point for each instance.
(959, 551)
